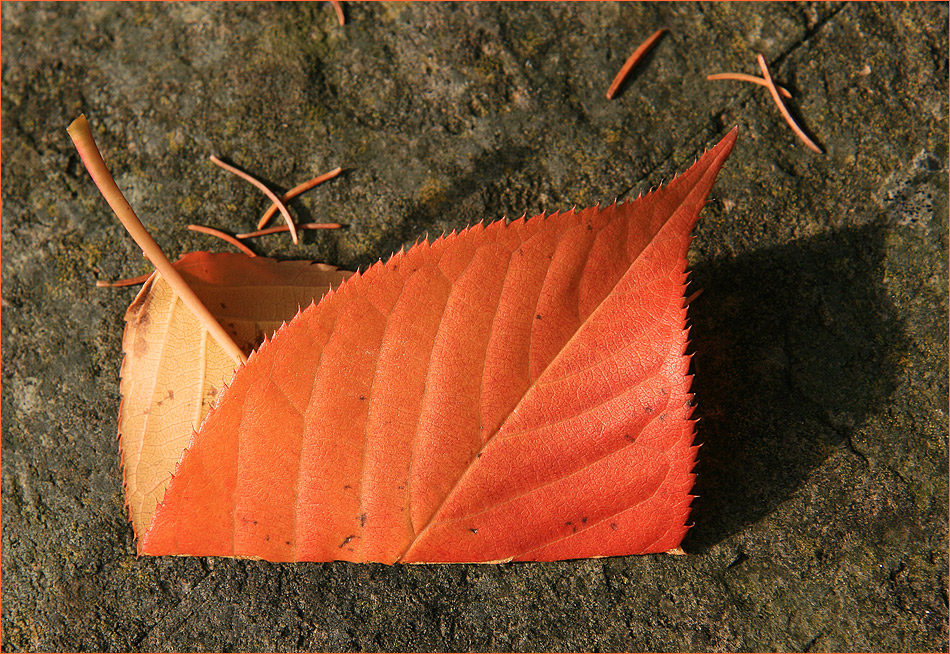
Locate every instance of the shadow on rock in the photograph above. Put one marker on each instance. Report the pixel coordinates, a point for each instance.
(792, 352)
(475, 194)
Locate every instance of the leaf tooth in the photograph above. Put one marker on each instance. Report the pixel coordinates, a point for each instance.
(524, 220)
(694, 450)
(495, 226)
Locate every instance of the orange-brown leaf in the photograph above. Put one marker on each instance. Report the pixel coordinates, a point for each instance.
(173, 370)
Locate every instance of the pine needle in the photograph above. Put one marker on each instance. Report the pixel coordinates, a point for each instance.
(294, 192)
(226, 237)
(742, 77)
(269, 193)
(283, 228)
(781, 107)
(338, 8)
(632, 61)
(692, 298)
(131, 281)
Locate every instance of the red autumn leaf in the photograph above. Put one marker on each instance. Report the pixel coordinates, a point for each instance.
(511, 392)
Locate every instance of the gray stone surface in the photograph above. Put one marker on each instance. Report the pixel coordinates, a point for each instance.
(820, 339)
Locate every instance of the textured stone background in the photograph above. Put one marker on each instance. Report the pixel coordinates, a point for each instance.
(820, 340)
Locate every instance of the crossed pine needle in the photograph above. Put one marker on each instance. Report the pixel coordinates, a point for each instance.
(776, 91)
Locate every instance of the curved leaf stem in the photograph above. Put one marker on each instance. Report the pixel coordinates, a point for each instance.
(82, 138)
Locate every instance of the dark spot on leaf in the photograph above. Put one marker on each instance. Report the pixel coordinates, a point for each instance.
(473, 530)
(613, 525)
(630, 438)
(479, 455)
(254, 522)
(538, 317)
(584, 520)
(362, 398)
(223, 305)
(362, 520)
(590, 227)
(267, 537)
(664, 391)
(345, 540)
(347, 487)
(171, 394)
(286, 542)
(661, 417)
(648, 409)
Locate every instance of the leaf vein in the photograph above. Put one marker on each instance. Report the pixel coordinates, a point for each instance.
(586, 410)
(610, 453)
(425, 389)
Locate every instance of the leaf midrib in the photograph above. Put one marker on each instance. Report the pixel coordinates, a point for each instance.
(432, 519)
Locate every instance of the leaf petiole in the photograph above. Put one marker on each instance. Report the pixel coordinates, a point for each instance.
(338, 8)
(85, 144)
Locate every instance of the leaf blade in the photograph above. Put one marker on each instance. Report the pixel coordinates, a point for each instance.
(400, 345)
